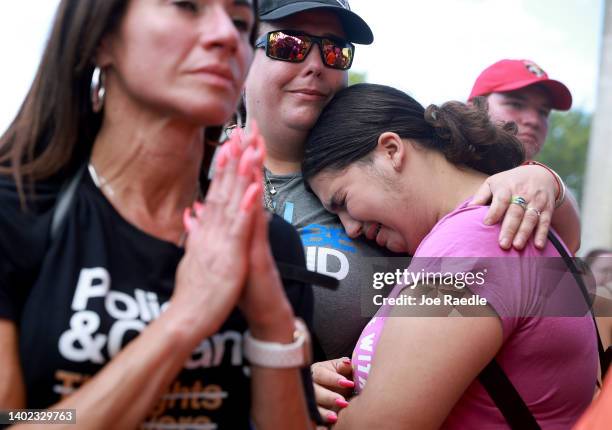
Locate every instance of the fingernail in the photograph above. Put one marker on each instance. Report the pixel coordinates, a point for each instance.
(504, 242)
(341, 402)
(257, 174)
(331, 417)
(187, 219)
(540, 243)
(346, 383)
(254, 128)
(222, 157)
(487, 221)
(199, 208)
(245, 162)
(261, 145)
(249, 197)
(234, 148)
(347, 361)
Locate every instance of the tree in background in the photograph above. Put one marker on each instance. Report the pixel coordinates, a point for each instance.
(357, 77)
(565, 149)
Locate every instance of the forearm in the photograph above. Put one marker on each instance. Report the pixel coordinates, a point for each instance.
(126, 389)
(278, 394)
(566, 222)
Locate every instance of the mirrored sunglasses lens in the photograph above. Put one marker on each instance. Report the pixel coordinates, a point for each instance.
(337, 56)
(288, 47)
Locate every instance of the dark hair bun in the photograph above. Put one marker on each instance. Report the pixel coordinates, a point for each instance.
(465, 135)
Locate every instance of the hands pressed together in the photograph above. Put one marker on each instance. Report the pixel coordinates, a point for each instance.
(228, 260)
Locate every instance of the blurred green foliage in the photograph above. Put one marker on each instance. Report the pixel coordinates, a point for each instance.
(565, 149)
(357, 78)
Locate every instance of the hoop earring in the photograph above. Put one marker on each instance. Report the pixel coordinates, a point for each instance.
(98, 91)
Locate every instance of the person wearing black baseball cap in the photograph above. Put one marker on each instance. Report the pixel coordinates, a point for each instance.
(303, 53)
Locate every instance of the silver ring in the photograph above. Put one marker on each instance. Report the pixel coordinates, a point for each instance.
(518, 200)
(538, 212)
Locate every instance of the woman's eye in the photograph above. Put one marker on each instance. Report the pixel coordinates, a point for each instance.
(190, 6)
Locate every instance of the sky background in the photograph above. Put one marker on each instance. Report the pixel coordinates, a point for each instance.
(433, 50)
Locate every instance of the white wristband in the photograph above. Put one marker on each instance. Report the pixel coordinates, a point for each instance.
(279, 355)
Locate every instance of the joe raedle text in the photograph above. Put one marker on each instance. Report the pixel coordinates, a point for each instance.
(423, 300)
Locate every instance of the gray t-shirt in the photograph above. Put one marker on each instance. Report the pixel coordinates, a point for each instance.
(338, 320)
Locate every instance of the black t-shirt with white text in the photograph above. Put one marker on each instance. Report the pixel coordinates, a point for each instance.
(80, 298)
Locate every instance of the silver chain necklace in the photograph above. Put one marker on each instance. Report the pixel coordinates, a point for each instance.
(269, 192)
(102, 184)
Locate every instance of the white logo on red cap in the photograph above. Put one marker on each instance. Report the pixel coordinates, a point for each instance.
(534, 68)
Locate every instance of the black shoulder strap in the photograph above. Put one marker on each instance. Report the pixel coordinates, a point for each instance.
(604, 359)
(500, 388)
(64, 201)
(506, 398)
(298, 273)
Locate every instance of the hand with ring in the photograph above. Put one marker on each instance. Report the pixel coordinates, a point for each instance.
(523, 199)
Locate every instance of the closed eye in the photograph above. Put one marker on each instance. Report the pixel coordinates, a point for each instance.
(189, 6)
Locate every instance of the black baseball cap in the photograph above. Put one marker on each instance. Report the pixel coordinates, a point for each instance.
(356, 29)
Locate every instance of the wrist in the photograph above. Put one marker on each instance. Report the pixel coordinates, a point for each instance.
(560, 186)
(274, 328)
(279, 353)
(183, 326)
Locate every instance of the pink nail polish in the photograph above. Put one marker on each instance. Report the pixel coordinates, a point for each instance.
(222, 157)
(249, 197)
(331, 417)
(347, 361)
(187, 220)
(341, 402)
(245, 162)
(235, 149)
(346, 383)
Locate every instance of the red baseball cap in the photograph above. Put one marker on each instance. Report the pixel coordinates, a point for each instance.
(510, 75)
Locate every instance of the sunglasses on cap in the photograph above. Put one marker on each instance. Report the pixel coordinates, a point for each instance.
(294, 46)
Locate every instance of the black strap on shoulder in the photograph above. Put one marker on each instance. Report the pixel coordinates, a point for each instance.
(500, 388)
(64, 201)
(298, 273)
(506, 398)
(604, 359)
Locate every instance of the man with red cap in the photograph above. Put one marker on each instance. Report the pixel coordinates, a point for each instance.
(520, 91)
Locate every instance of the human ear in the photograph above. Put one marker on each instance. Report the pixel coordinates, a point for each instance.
(391, 147)
(104, 52)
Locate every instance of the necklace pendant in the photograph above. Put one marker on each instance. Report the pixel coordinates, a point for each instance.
(272, 191)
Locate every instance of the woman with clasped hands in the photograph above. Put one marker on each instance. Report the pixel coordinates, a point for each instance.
(117, 316)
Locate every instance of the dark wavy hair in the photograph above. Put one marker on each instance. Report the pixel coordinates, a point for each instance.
(348, 130)
(54, 130)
